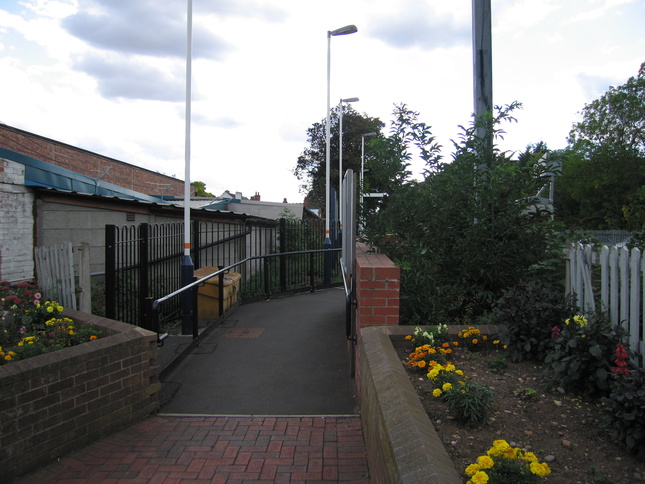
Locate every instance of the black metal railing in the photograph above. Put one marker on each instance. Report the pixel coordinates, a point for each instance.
(145, 260)
(151, 313)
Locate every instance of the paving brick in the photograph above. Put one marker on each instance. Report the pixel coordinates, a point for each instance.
(173, 449)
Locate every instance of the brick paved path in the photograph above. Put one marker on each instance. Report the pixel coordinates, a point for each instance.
(232, 450)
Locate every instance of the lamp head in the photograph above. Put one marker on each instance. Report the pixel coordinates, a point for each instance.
(349, 100)
(348, 29)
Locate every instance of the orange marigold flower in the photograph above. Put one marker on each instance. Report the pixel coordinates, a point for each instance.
(93, 337)
(446, 345)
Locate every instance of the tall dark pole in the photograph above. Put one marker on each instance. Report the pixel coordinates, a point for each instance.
(482, 62)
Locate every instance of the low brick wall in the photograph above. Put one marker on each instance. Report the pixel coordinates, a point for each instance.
(402, 445)
(55, 403)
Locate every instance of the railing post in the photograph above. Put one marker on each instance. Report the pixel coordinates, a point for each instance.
(283, 258)
(220, 293)
(267, 287)
(195, 316)
(110, 271)
(312, 272)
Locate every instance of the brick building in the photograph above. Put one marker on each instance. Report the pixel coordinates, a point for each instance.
(92, 165)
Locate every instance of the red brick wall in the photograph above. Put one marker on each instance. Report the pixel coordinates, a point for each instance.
(90, 164)
(55, 403)
(378, 281)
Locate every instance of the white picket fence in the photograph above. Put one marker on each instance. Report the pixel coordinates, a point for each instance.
(621, 287)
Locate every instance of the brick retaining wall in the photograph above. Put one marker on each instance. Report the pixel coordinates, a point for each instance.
(55, 403)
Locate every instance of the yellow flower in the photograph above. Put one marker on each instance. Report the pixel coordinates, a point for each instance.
(436, 392)
(480, 478)
(446, 387)
(59, 309)
(50, 309)
(540, 470)
(496, 342)
(408, 337)
(472, 469)
(459, 372)
(485, 462)
(71, 332)
(433, 373)
(7, 357)
(529, 457)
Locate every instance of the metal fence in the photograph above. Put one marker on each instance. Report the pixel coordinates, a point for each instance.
(144, 261)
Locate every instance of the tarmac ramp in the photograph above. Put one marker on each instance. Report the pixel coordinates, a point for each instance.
(281, 357)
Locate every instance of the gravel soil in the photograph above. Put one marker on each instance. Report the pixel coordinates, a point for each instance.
(563, 430)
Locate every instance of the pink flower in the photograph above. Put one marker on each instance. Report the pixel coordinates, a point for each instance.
(38, 295)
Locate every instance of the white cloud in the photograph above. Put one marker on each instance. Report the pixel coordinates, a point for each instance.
(117, 87)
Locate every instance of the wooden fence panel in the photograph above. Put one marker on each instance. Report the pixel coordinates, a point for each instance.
(55, 271)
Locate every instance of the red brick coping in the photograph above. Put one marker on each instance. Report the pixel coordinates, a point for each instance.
(55, 403)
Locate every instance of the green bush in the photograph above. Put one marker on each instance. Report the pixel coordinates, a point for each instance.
(583, 349)
(527, 313)
(469, 403)
(625, 405)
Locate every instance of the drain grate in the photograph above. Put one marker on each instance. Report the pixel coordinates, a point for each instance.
(243, 333)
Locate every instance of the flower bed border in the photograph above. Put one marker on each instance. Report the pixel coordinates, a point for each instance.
(402, 444)
(57, 402)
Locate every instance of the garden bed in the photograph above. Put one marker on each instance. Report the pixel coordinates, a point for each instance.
(563, 430)
(54, 403)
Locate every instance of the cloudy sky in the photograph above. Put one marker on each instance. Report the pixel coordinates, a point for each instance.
(109, 75)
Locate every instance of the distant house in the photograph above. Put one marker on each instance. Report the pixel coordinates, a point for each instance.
(237, 203)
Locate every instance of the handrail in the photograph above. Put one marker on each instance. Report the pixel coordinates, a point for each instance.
(156, 303)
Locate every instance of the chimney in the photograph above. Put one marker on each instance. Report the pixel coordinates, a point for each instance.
(256, 197)
(285, 200)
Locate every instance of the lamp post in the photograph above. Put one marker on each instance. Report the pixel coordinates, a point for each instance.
(340, 158)
(348, 29)
(187, 268)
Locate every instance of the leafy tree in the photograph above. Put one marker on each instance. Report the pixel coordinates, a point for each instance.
(200, 189)
(604, 166)
(616, 119)
(311, 165)
(465, 233)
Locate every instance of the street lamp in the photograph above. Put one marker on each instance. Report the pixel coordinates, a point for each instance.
(340, 158)
(348, 29)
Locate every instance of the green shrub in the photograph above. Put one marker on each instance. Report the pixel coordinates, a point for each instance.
(625, 405)
(527, 313)
(583, 349)
(470, 403)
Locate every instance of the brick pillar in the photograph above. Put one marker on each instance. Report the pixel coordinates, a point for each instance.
(377, 289)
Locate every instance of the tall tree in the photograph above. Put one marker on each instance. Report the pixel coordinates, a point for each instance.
(311, 165)
(604, 166)
(616, 119)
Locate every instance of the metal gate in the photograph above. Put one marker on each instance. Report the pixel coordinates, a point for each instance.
(348, 259)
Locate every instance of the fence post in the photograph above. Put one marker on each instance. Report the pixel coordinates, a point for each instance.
(196, 246)
(144, 286)
(283, 258)
(110, 271)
